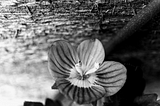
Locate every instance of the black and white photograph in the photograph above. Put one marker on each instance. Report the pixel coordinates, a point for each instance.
(79, 52)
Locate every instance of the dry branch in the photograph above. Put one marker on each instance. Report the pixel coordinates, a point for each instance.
(134, 25)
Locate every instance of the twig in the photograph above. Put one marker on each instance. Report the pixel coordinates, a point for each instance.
(134, 25)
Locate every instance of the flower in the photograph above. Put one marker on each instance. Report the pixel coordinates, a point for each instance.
(80, 74)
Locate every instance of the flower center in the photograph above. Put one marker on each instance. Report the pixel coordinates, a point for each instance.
(82, 73)
(83, 76)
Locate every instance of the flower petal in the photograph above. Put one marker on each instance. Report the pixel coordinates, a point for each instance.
(61, 59)
(79, 94)
(91, 52)
(112, 76)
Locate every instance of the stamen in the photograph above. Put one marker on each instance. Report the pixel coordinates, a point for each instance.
(78, 68)
(95, 68)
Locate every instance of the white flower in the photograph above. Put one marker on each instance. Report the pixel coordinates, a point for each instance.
(81, 74)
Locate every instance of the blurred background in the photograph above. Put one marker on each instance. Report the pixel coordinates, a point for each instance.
(28, 28)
